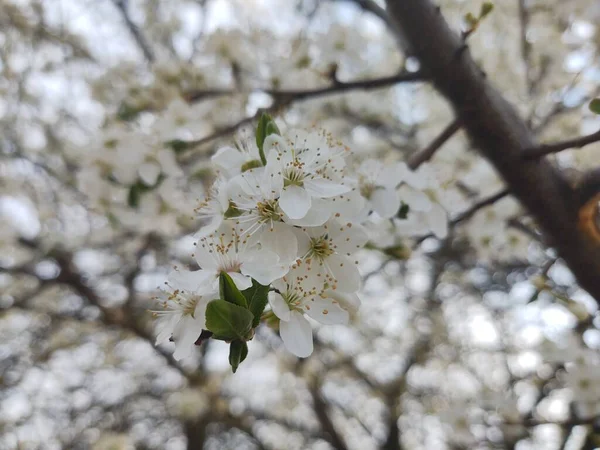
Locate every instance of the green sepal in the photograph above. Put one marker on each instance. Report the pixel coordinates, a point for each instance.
(228, 321)
(178, 145)
(139, 188)
(266, 126)
(230, 292)
(238, 350)
(252, 164)
(232, 211)
(595, 106)
(257, 298)
(127, 113)
(403, 211)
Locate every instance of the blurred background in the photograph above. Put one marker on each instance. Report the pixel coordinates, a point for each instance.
(481, 340)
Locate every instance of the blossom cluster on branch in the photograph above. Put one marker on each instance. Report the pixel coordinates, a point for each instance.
(283, 221)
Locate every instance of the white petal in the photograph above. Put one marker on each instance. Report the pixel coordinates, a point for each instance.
(297, 335)
(348, 205)
(326, 311)
(303, 240)
(416, 200)
(295, 201)
(438, 221)
(348, 239)
(263, 266)
(279, 306)
(242, 282)
(345, 272)
(322, 188)
(317, 215)
(281, 240)
(229, 159)
(386, 202)
(149, 173)
(205, 256)
(185, 335)
(165, 326)
(189, 281)
(349, 302)
(390, 176)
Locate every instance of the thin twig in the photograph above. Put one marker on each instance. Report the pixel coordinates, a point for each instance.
(525, 45)
(422, 156)
(302, 94)
(134, 30)
(547, 149)
(479, 205)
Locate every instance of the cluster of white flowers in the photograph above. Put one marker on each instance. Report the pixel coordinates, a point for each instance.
(287, 213)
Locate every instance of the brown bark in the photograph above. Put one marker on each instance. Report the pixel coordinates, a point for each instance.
(499, 134)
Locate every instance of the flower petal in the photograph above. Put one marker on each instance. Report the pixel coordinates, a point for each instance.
(279, 306)
(317, 215)
(323, 188)
(386, 202)
(297, 335)
(326, 311)
(294, 201)
(149, 173)
(281, 240)
(185, 335)
(417, 200)
(190, 281)
(242, 282)
(438, 221)
(345, 272)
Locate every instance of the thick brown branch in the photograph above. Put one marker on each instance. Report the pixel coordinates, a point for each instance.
(499, 134)
(427, 153)
(547, 149)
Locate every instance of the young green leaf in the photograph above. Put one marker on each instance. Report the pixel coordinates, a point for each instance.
(266, 126)
(595, 106)
(229, 291)
(486, 8)
(228, 321)
(238, 350)
(257, 298)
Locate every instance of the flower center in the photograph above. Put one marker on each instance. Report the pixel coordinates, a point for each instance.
(293, 176)
(269, 211)
(186, 303)
(320, 247)
(367, 189)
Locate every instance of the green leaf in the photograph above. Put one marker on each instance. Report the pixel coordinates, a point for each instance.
(238, 350)
(230, 292)
(486, 8)
(257, 297)
(266, 126)
(228, 321)
(471, 20)
(595, 106)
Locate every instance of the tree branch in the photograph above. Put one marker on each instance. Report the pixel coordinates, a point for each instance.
(134, 30)
(499, 134)
(336, 87)
(547, 149)
(416, 159)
